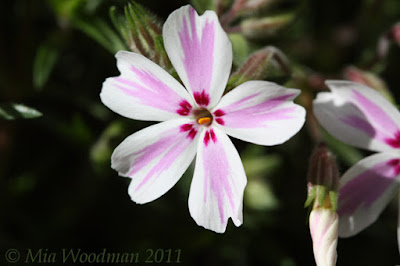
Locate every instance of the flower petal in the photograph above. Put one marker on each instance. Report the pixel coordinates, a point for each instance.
(365, 190)
(144, 91)
(398, 221)
(216, 192)
(156, 157)
(200, 51)
(359, 116)
(260, 112)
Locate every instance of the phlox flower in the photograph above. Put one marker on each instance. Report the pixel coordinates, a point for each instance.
(362, 117)
(195, 119)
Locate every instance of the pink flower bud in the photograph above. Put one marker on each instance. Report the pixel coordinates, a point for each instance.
(324, 233)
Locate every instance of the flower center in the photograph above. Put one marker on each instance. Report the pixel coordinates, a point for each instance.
(203, 117)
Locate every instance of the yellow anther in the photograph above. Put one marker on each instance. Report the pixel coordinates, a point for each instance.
(204, 120)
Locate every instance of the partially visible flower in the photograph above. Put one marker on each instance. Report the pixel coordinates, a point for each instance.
(195, 119)
(368, 79)
(323, 178)
(362, 117)
(396, 33)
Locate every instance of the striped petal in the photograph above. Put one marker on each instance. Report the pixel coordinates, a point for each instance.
(359, 116)
(398, 219)
(260, 112)
(201, 53)
(216, 192)
(365, 190)
(144, 91)
(156, 157)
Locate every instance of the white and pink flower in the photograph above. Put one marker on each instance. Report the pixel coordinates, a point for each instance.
(195, 120)
(362, 117)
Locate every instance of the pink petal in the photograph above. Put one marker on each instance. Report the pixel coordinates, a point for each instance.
(144, 91)
(156, 157)
(216, 192)
(260, 112)
(398, 221)
(365, 190)
(200, 51)
(359, 116)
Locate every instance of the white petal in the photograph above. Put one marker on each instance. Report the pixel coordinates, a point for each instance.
(200, 51)
(365, 190)
(398, 221)
(144, 90)
(216, 192)
(260, 112)
(156, 157)
(359, 116)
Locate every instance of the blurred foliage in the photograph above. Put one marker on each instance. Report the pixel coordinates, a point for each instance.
(11, 111)
(57, 188)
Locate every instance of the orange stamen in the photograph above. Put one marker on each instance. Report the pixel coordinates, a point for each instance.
(204, 120)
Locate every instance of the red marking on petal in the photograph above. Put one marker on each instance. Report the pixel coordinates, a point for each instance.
(201, 98)
(206, 138)
(220, 121)
(186, 127)
(219, 112)
(395, 163)
(192, 133)
(394, 142)
(212, 135)
(185, 108)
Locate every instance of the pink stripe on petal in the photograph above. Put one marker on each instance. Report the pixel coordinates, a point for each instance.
(198, 56)
(375, 113)
(156, 157)
(246, 104)
(173, 151)
(167, 149)
(359, 123)
(216, 192)
(253, 118)
(367, 187)
(151, 91)
(217, 176)
(260, 112)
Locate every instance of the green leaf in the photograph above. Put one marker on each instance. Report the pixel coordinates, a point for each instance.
(101, 32)
(240, 48)
(312, 193)
(259, 195)
(44, 62)
(101, 151)
(11, 111)
(202, 5)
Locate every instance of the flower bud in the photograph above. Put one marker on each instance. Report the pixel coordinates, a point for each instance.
(323, 182)
(323, 172)
(262, 64)
(324, 233)
(253, 6)
(256, 28)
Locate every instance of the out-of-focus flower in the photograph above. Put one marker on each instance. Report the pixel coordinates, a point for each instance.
(323, 179)
(195, 119)
(396, 33)
(362, 117)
